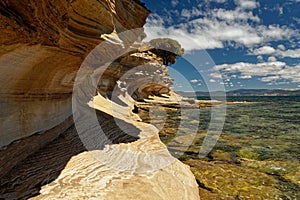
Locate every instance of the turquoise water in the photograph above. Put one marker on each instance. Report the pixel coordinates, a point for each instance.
(271, 126)
(262, 133)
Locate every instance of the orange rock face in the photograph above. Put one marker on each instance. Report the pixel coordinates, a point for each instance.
(43, 45)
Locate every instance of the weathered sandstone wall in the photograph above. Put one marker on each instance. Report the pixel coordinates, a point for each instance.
(43, 45)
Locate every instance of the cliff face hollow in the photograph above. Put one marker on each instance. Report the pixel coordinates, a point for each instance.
(44, 45)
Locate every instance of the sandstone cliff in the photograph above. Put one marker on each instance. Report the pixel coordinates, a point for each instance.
(45, 45)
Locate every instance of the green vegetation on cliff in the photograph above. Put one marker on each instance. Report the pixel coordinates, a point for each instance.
(168, 49)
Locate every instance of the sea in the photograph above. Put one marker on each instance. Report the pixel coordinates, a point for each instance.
(258, 129)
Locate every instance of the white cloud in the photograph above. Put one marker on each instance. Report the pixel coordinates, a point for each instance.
(259, 69)
(189, 41)
(216, 75)
(281, 47)
(246, 4)
(295, 53)
(174, 2)
(154, 20)
(194, 81)
(217, 27)
(186, 13)
(245, 76)
(264, 50)
(268, 71)
(270, 78)
(275, 32)
(234, 15)
(296, 20)
(280, 10)
(194, 12)
(217, 1)
(292, 73)
(260, 58)
(280, 51)
(272, 59)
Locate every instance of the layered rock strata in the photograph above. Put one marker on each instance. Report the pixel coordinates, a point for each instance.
(43, 46)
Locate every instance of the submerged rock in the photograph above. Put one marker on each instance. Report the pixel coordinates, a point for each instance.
(219, 155)
(232, 181)
(246, 152)
(294, 177)
(289, 170)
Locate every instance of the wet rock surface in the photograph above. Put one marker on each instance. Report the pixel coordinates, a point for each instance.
(232, 181)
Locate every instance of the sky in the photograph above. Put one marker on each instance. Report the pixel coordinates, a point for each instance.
(230, 44)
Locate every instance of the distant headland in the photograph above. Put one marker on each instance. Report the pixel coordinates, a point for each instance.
(245, 92)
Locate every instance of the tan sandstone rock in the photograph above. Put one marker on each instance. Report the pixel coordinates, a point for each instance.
(43, 45)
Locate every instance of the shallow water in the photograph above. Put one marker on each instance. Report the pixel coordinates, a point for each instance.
(263, 135)
(270, 127)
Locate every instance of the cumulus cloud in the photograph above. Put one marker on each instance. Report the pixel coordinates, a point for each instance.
(264, 50)
(216, 28)
(246, 4)
(194, 81)
(233, 15)
(281, 47)
(280, 51)
(216, 75)
(154, 20)
(260, 58)
(295, 53)
(272, 59)
(207, 34)
(259, 69)
(267, 71)
(245, 76)
(276, 32)
(270, 78)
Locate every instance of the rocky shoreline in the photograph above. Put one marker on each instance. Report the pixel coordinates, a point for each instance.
(223, 174)
(81, 120)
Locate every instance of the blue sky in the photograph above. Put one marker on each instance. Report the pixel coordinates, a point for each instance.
(230, 44)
